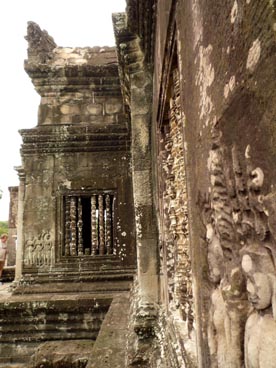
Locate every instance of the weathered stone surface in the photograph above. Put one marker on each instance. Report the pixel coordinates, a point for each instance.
(137, 94)
(40, 44)
(30, 320)
(224, 153)
(181, 126)
(76, 216)
(57, 354)
(107, 351)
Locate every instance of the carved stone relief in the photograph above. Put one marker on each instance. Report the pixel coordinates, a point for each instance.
(258, 263)
(241, 258)
(39, 250)
(228, 304)
(176, 255)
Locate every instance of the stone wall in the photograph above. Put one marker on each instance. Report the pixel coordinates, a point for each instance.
(226, 57)
(195, 86)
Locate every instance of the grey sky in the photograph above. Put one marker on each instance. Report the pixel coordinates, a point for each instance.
(70, 23)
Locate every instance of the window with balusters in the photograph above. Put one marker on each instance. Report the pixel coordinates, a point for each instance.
(89, 224)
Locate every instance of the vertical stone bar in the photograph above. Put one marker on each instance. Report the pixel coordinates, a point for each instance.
(101, 225)
(20, 236)
(108, 225)
(80, 225)
(67, 227)
(12, 232)
(73, 226)
(94, 227)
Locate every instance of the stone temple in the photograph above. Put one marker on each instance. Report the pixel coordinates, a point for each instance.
(146, 217)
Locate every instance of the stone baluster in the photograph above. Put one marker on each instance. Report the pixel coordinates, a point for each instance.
(108, 225)
(67, 226)
(80, 225)
(94, 225)
(101, 225)
(73, 226)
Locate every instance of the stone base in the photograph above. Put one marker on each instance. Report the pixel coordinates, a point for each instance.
(75, 353)
(63, 329)
(8, 273)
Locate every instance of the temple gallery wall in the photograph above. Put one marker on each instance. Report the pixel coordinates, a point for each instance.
(146, 217)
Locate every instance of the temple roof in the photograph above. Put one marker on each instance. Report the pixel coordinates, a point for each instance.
(42, 49)
(54, 68)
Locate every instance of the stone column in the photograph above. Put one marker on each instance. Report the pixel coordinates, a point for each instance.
(20, 237)
(142, 184)
(12, 233)
(146, 230)
(136, 79)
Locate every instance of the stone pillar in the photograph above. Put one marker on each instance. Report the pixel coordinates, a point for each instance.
(20, 238)
(12, 233)
(136, 79)
(142, 185)
(146, 229)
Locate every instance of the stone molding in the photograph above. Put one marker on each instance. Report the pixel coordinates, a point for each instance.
(68, 138)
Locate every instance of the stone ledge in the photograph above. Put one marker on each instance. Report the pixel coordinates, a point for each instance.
(100, 287)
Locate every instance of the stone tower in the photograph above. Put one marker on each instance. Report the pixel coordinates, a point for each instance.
(76, 208)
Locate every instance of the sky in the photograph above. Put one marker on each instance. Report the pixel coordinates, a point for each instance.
(71, 23)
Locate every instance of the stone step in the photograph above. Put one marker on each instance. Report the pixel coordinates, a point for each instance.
(67, 353)
(12, 354)
(29, 320)
(104, 285)
(32, 323)
(49, 336)
(19, 357)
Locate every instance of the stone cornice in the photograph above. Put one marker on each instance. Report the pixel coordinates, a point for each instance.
(21, 172)
(141, 21)
(70, 71)
(130, 55)
(67, 138)
(73, 78)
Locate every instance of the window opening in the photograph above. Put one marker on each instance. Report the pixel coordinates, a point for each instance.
(88, 225)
